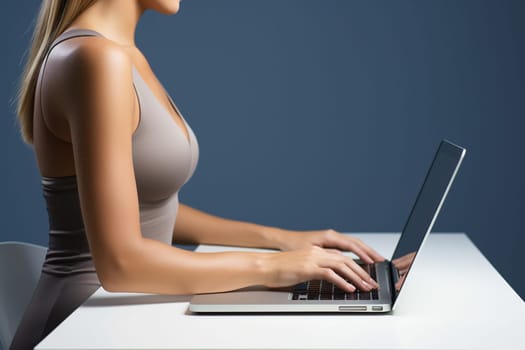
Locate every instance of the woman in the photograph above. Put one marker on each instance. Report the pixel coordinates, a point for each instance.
(113, 151)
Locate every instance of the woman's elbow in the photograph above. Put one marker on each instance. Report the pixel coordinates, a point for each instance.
(110, 283)
(114, 274)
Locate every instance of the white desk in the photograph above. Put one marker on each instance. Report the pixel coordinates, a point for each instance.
(453, 298)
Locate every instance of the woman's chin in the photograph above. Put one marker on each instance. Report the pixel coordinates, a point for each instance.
(172, 10)
(165, 7)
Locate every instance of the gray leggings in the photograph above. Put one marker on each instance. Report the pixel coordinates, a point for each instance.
(54, 299)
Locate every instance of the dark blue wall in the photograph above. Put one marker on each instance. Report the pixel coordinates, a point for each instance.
(314, 114)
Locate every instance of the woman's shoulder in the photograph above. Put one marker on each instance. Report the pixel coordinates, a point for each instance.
(88, 55)
(87, 74)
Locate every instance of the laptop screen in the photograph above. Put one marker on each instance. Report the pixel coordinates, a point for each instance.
(425, 210)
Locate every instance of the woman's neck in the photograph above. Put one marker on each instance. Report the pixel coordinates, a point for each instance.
(114, 19)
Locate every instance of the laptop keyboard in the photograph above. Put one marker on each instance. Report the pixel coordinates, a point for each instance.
(323, 290)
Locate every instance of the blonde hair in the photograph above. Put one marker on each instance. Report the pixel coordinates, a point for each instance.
(54, 17)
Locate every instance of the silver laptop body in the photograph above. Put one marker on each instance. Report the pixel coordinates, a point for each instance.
(425, 210)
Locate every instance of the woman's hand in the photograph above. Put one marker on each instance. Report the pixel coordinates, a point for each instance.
(294, 240)
(313, 262)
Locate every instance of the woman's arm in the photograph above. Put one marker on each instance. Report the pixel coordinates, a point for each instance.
(98, 101)
(195, 226)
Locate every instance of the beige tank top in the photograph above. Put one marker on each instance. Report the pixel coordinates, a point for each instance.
(163, 161)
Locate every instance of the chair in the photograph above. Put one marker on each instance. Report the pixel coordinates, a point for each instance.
(20, 267)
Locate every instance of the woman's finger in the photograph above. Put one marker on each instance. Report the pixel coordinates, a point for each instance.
(371, 252)
(356, 246)
(375, 256)
(348, 269)
(327, 274)
(357, 250)
(362, 273)
(335, 251)
(359, 277)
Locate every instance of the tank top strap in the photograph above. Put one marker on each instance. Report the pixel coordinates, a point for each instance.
(72, 33)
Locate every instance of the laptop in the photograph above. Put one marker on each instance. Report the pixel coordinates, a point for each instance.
(391, 275)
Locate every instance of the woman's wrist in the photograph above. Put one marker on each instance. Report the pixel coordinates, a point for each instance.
(264, 269)
(277, 238)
